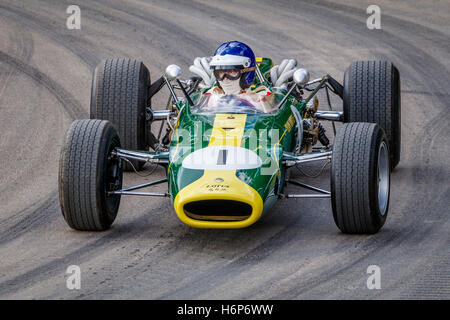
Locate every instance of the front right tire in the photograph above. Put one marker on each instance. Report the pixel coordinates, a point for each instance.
(87, 172)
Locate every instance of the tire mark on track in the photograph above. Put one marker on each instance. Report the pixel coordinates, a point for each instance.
(74, 110)
(53, 268)
(237, 267)
(20, 62)
(29, 218)
(69, 103)
(164, 31)
(23, 44)
(254, 28)
(76, 45)
(422, 177)
(268, 247)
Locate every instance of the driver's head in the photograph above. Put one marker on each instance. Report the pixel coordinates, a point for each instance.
(234, 66)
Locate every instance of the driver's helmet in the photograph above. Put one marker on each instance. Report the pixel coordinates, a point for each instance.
(234, 60)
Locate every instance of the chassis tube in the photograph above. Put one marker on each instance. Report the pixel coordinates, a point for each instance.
(161, 114)
(329, 115)
(308, 196)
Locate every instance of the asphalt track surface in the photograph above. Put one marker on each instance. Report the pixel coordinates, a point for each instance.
(295, 251)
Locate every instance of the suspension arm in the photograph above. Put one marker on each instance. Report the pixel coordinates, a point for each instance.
(290, 159)
(158, 158)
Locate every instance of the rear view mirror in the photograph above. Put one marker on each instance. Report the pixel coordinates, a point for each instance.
(301, 76)
(172, 72)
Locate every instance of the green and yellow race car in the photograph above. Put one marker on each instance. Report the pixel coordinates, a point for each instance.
(227, 156)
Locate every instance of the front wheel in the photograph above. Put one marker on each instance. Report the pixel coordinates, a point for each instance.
(87, 173)
(360, 178)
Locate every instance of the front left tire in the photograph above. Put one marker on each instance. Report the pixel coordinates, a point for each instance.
(360, 178)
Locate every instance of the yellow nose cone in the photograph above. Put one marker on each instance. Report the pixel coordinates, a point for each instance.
(218, 199)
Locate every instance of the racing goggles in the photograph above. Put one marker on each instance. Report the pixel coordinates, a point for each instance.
(231, 74)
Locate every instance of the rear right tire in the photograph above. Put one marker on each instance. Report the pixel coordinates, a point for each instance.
(119, 94)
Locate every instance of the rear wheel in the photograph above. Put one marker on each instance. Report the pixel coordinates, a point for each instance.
(119, 94)
(372, 94)
(87, 172)
(360, 178)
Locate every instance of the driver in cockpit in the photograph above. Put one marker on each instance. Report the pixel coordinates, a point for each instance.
(233, 66)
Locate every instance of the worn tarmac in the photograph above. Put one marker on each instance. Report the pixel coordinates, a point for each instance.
(295, 251)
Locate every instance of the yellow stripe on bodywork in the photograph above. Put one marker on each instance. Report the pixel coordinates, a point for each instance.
(228, 130)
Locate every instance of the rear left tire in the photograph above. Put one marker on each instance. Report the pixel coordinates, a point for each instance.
(360, 178)
(372, 94)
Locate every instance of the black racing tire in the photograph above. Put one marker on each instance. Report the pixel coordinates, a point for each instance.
(360, 178)
(119, 94)
(372, 94)
(87, 172)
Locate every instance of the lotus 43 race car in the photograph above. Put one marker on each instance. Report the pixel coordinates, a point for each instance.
(227, 159)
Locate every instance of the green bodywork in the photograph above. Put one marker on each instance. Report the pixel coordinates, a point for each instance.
(275, 132)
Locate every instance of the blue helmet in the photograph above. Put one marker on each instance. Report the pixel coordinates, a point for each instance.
(236, 55)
